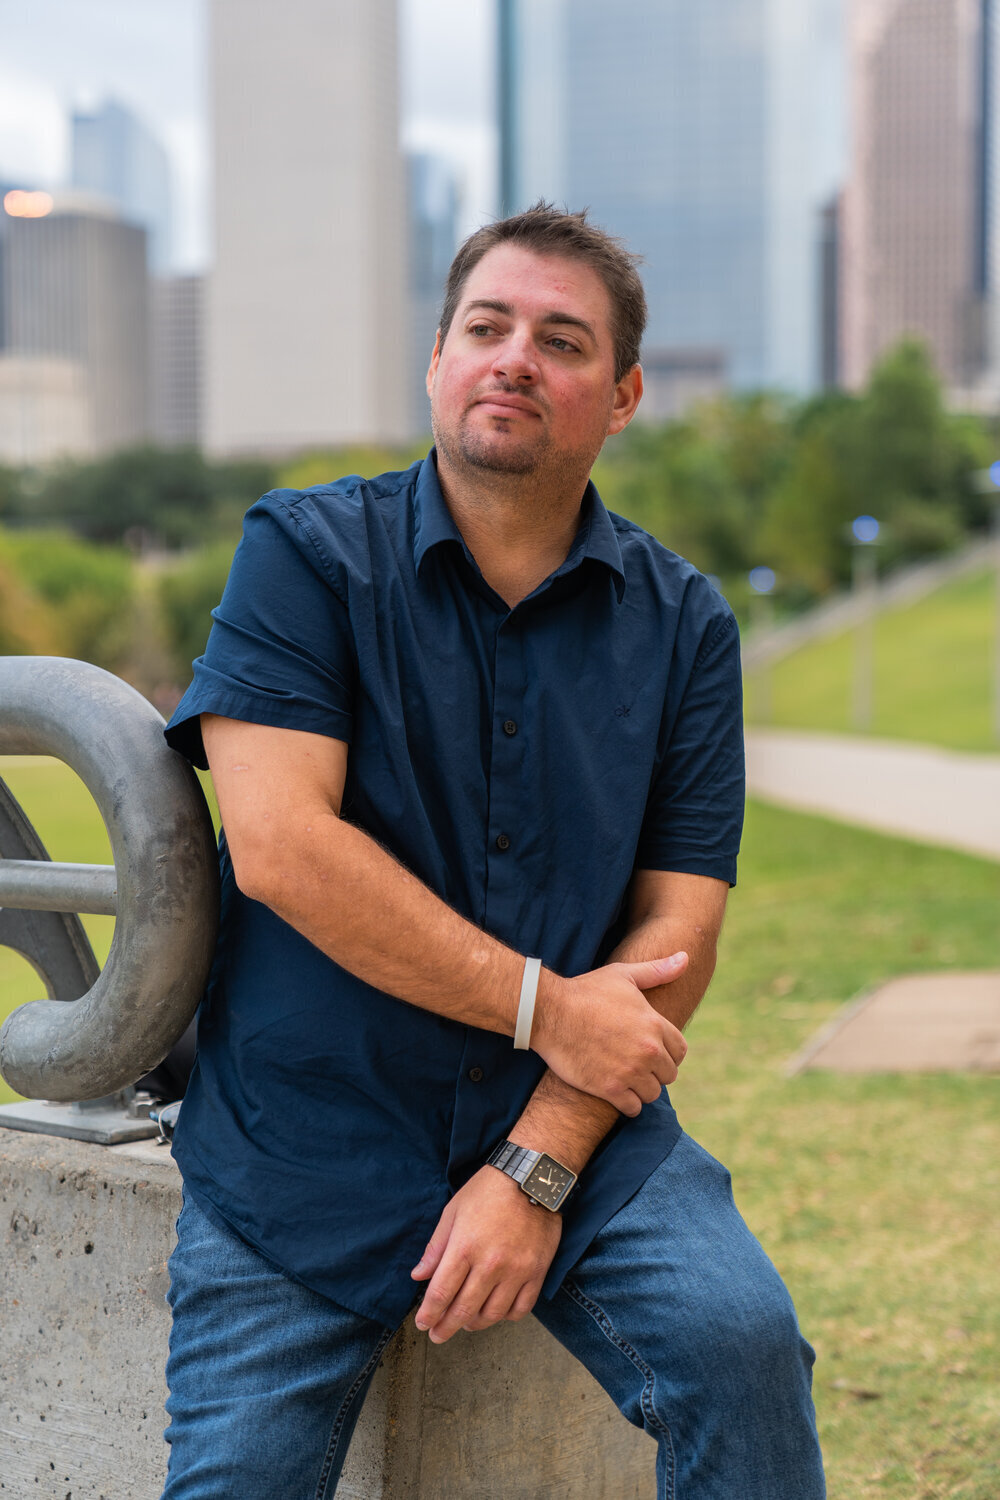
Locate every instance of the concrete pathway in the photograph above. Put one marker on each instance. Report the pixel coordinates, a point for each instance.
(934, 796)
(914, 1023)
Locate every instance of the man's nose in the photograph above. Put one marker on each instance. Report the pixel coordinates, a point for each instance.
(516, 359)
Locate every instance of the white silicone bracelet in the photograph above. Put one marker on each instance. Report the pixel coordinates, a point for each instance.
(526, 1004)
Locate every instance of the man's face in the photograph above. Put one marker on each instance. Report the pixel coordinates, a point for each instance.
(524, 381)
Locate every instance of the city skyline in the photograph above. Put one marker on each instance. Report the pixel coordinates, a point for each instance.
(716, 173)
(61, 55)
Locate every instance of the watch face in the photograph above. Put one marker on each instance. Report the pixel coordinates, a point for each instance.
(548, 1182)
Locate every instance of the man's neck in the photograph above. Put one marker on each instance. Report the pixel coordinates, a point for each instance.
(518, 527)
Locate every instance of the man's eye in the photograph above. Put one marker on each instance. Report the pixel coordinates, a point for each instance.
(561, 344)
(480, 328)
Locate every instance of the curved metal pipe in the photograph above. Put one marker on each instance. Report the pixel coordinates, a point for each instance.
(166, 874)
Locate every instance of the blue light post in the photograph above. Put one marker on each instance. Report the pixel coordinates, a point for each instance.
(762, 581)
(994, 475)
(864, 539)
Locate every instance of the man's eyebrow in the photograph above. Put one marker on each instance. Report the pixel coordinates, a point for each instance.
(553, 316)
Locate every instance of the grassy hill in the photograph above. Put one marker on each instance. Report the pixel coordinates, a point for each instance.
(933, 668)
(874, 1195)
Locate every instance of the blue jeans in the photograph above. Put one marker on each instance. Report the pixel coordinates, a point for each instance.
(675, 1309)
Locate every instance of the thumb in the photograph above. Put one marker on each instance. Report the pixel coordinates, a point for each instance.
(656, 971)
(436, 1246)
(429, 1261)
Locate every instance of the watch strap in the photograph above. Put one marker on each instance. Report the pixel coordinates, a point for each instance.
(518, 1162)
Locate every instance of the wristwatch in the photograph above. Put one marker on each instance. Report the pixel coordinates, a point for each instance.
(546, 1181)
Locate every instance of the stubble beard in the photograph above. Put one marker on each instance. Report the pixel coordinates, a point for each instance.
(491, 453)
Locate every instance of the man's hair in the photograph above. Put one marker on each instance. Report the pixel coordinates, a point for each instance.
(548, 230)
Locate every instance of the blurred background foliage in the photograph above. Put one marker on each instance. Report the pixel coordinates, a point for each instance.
(120, 561)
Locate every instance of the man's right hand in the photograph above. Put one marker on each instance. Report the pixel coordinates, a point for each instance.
(599, 1033)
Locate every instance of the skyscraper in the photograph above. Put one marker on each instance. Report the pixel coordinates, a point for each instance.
(308, 328)
(176, 359)
(75, 290)
(708, 136)
(914, 255)
(433, 193)
(116, 156)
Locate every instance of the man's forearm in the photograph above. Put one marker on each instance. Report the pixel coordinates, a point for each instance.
(570, 1125)
(362, 908)
(358, 905)
(280, 796)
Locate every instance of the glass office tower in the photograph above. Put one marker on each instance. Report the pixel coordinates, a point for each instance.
(709, 136)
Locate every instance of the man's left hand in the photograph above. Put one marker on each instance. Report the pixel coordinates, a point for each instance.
(486, 1259)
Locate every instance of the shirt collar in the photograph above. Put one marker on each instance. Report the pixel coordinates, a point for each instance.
(596, 537)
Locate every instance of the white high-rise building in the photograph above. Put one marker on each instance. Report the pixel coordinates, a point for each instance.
(176, 364)
(307, 339)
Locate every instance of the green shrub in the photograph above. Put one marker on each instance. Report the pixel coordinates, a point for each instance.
(71, 595)
(188, 591)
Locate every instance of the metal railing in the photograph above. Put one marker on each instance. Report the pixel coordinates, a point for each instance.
(100, 1030)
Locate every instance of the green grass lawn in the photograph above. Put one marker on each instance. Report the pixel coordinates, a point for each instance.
(933, 671)
(878, 1197)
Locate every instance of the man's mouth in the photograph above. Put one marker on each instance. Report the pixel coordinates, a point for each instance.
(500, 404)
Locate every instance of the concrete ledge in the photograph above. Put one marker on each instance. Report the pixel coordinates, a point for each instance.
(86, 1232)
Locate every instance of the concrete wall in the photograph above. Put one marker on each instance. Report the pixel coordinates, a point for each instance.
(85, 1232)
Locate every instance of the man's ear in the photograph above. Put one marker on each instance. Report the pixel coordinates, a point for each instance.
(432, 367)
(628, 394)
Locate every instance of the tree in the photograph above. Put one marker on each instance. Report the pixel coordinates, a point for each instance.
(151, 497)
(82, 592)
(189, 590)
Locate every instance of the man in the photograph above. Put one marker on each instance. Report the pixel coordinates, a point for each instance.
(460, 720)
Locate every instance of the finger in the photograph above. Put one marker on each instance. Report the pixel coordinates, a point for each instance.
(656, 970)
(666, 1070)
(675, 1043)
(497, 1305)
(649, 1089)
(627, 1101)
(429, 1261)
(441, 1293)
(436, 1246)
(524, 1302)
(464, 1308)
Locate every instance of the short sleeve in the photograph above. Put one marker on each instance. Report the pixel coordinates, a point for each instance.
(281, 650)
(694, 816)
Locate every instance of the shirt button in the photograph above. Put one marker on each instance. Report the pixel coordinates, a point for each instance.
(503, 842)
(509, 726)
(476, 1075)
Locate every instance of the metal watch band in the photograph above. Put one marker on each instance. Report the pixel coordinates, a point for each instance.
(518, 1162)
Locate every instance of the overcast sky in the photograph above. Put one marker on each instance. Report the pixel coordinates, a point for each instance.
(149, 54)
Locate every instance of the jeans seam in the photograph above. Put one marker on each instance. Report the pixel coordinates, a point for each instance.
(606, 1326)
(338, 1426)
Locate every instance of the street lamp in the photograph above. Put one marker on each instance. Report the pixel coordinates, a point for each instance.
(864, 539)
(994, 474)
(762, 581)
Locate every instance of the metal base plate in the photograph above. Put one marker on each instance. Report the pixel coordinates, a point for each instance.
(104, 1127)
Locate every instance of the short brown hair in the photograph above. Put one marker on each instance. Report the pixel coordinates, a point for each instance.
(555, 231)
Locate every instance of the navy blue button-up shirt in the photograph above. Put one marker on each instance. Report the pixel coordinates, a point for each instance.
(523, 763)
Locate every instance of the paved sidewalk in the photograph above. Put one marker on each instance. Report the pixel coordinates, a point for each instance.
(915, 1023)
(934, 796)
